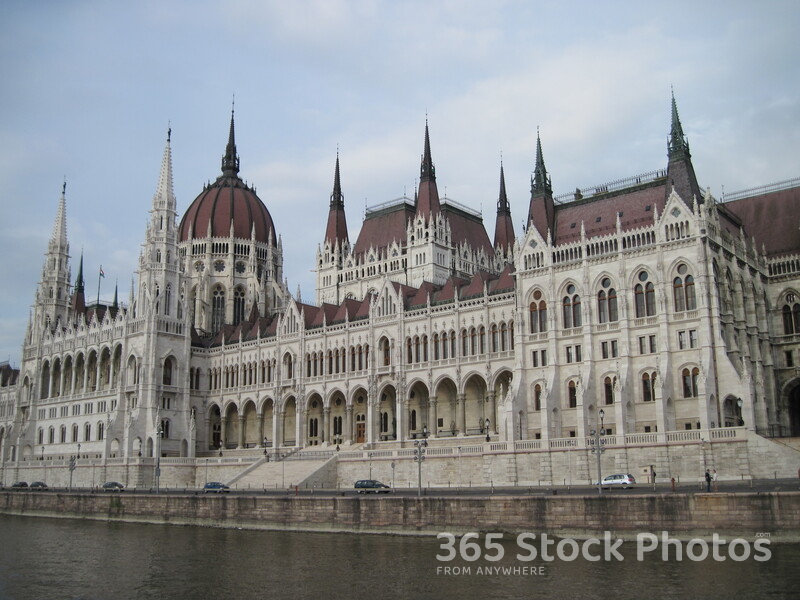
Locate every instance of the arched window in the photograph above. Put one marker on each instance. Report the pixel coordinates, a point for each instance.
(602, 307)
(791, 315)
(436, 346)
(689, 381)
(167, 376)
(101, 428)
(683, 290)
(571, 306)
(537, 397)
(75, 433)
(572, 394)
(217, 308)
(648, 387)
(167, 299)
(63, 434)
(482, 340)
(608, 389)
(538, 313)
(644, 296)
(607, 303)
(238, 305)
(87, 432)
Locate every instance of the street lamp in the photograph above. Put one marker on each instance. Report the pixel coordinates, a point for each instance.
(487, 429)
(159, 435)
(598, 449)
(265, 447)
(419, 456)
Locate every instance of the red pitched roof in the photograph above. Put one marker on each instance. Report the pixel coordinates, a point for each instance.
(772, 218)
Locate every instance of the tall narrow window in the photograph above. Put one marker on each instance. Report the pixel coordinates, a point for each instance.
(572, 394)
(238, 306)
(217, 308)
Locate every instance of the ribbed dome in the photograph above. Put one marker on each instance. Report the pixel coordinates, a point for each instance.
(228, 201)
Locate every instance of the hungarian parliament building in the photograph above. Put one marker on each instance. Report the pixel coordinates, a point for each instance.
(645, 300)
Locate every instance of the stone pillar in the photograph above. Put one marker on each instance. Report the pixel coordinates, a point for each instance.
(277, 427)
(432, 420)
(347, 434)
(223, 426)
(326, 423)
(461, 417)
(301, 426)
(240, 441)
(260, 418)
(491, 400)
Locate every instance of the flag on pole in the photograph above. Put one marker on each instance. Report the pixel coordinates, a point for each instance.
(102, 273)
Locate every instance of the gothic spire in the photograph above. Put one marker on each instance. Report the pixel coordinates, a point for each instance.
(678, 145)
(540, 182)
(504, 226)
(541, 212)
(230, 162)
(59, 236)
(164, 191)
(336, 230)
(680, 171)
(428, 198)
(427, 170)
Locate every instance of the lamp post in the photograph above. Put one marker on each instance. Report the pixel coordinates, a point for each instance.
(159, 435)
(598, 449)
(265, 447)
(486, 424)
(419, 456)
(206, 470)
(393, 465)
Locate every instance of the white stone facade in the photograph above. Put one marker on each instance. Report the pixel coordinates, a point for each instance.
(666, 326)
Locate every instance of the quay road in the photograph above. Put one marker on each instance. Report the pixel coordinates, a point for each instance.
(747, 486)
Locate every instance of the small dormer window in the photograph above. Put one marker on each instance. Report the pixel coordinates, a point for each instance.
(647, 208)
(572, 225)
(597, 220)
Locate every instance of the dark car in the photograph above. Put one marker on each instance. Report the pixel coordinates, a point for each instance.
(215, 487)
(371, 486)
(113, 486)
(38, 485)
(19, 485)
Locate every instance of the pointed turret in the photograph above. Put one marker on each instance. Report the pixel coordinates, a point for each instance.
(541, 213)
(58, 239)
(336, 231)
(164, 191)
(230, 162)
(78, 296)
(52, 296)
(428, 197)
(680, 171)
(504, 227)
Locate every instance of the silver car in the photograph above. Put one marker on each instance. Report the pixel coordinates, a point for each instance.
(623, 480)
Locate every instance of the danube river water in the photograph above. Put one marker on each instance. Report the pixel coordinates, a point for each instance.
(71, 559)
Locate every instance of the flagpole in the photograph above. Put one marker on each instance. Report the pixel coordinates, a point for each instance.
(99, 275)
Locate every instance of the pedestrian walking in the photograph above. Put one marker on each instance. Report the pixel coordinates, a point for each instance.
(708, 481)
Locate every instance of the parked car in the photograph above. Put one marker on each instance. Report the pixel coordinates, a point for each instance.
(215, 487)
(113, 486)
(19, 485)
(623, 480)
(38, 485)
(367, 486)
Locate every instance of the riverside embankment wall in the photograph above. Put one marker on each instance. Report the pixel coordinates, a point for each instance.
(774, 514)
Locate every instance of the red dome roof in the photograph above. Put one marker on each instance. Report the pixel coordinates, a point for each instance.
(228, 200)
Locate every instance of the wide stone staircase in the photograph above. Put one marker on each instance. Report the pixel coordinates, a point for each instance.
(304, 469)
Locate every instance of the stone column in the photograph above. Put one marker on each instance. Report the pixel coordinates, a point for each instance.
(260, 418)
(240, 441)
(461, 416)
(326, 422)
(491, 399)
(347, 434)
(277, 427)
(223, 431)
(432, 420)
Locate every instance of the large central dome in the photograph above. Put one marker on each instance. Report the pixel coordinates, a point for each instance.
(228, 204)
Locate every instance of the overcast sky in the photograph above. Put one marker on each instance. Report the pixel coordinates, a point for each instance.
(89, 88)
